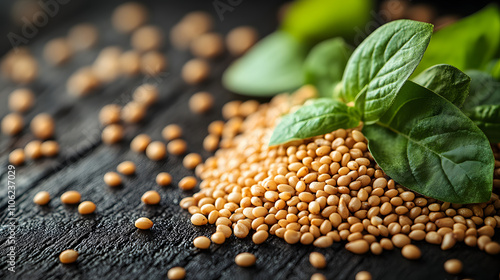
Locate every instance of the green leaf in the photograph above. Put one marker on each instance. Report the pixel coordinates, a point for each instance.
(316, 117)
(447, 81)
(325, 65)
(487, 118)
(494, 68)
(382, 63)
(312, 21)
(484, 90)
(427, 144)
(273, 65)
(467, 44)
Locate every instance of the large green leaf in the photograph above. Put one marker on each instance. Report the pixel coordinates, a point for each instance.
(325, 65)
(487, 118)
(312, 21)
(447, 81)
(467, 44)
(274, 65)
(381, 64)
(484, 90)
(316, 117)
(427, 144)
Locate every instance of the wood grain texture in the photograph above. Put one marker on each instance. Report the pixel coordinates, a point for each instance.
(110, 246)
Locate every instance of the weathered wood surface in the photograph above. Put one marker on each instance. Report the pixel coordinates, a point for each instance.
(110, 246)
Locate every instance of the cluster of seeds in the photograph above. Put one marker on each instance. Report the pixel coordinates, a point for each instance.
(323, 190)
(69, 197)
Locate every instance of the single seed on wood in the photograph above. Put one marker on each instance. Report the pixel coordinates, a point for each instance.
(201, 102)
(218, 238)
(86, 207)
(68, 256)
(156, 150)
(210, 143)
(42, 126)
(112, 179)
(411, 252)
(208, 45)
(492, 248)
(199, 219)
(143, 223)
(176, 273)
(195, 71)
(151, 198)
(163, 179)
(130, 62)
(363, 275)
(358, 246)
(57, 51)
(21, 100)
(201, 242)
(187, 183)
(112, 133)
(33, 149)
(146, 94)
(140, 143)
(245, 259)
(133, 112)
(17, 157)
(70, 197)
(110, 114)
(317, 260)
(453, 266)
(126, 168)
(318, 276)
(129, 16)
(83, 36)
(12, 124)
(49, 148)
(82, 82)
(153, 63)
(241, 39)
(146, 38)
(42, 198)
(171, 132)
(177, 147)
(106, 66)
(191, 160)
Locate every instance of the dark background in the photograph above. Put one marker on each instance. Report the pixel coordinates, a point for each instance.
(110, 246)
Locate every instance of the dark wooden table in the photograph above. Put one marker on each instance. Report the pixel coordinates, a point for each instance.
(110, 246)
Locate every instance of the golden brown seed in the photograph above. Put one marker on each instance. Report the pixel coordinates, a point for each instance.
(57, 51)
(411, 252)
(71, 197)
(187, 183)
(86, 207)
(191, 160)
(358, 246)
(49, 148)
(448, 241)
(42, 126)
(201, 102)
(33, 149)
(191, 26)
(68, 256)
(453, 266)
(208, 45)
(24, 69)
(363, 275)
(318, 276)
(146, 38)
(400, 240)
(199, 219)
(218, 238)
(163, 179)
(143, 223)
(112, 133)
(146, 94)
(317, 260)
(130, 63)
(133, 112)
(153, 63)
(492, 248)
(171, 131)
(17, 157)
(82, 82)
(21, 100)
(231, 109)
(112, 179)
(156, 150)
(129, 16)
(83, 36)
(195, 71)
(126, 168)
(260, 236)
(106, 66)
(211, 142)
(241, 39)
(140, 143)
(176, 273)
(42, 198)
(201, 242)
(323, 242)
(12, 124)
(151, 198)
(216, 128)
(177, 147)
(245, 259)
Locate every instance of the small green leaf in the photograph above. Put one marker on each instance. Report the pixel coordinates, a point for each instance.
(316, 117)
(487, 118)
(447, 81)
(273, 65)
(494, 68)
(382, 63)
(484, 90)
(467, 44)
(325, 65)
(427, 144)
(312, 21)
